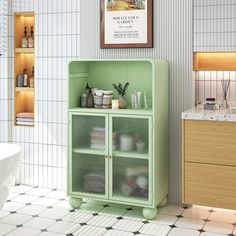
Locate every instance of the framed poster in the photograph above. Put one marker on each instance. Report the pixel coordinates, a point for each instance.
(126, 23)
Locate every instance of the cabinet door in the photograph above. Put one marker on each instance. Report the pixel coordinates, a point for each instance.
(88, 151)
(130, 148)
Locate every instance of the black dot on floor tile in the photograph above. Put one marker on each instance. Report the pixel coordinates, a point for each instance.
(129, 209)
(201, 230)
(22, 193)
(69, 235)
(82, 224)
(49, 207)
(211, 211)
(206, 220)
(8, 201)
(109, 228)
(95, 214)
(172, 226)
(34, 216)
(28, 204)
(231, 234)
(44, 230)
(145, 222)
(13, 212)
(119, 218)
(136, 233)
(57, 220)
(179, 216)
(73, 210)
(106, 205)
(19, 226)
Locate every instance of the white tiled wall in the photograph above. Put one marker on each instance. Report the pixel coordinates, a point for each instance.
(214, 30)
(57, 41)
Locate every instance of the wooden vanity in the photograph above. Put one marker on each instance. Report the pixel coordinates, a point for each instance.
(209, 158)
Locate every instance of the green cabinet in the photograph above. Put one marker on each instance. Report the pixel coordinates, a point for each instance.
(119, 156)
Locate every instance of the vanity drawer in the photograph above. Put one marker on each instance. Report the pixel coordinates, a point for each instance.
(210, 142)
(210, 185)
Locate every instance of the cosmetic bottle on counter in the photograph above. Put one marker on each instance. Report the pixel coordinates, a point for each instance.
(31, 38)
(90, 102)
(24, 39)
(31, 80)
(25, 77)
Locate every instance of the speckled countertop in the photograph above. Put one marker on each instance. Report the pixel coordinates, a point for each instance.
(198, 113)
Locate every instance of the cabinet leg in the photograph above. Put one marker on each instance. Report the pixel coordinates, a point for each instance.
(76, 202)
(164, 202)
(150, 213)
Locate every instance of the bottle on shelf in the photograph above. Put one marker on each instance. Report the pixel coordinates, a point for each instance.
(31, 38)
(90, 103)
(31, 80)
(25, 77)
(24, 39)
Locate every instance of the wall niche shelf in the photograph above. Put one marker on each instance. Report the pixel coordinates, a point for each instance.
(216, 61)
(24, 59)
(99, 167)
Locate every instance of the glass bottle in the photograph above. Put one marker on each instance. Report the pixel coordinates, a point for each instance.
(24, 39)
(90, 102)
(31, 38)
(31, 80)
(25, 77)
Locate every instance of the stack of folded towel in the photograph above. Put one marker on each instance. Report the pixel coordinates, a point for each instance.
(94, 182)
(25, 118)
(97, 138)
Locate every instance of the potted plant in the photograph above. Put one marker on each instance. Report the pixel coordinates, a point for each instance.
(121, 89)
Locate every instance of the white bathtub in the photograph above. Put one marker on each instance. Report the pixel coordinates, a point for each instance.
(9, 162)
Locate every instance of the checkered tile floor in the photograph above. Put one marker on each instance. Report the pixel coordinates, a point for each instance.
(36, 211)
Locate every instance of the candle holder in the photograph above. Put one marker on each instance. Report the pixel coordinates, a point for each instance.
(225, 87)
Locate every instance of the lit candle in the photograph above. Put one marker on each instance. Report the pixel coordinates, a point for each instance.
(115, 104)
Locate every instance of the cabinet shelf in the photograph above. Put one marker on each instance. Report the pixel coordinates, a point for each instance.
(88, 151)
(24, 50)
(134, 154)
(24, 89)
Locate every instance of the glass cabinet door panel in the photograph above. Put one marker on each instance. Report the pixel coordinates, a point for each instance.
(130, 178)
(130, 136)
(88, 174)
(89, 133)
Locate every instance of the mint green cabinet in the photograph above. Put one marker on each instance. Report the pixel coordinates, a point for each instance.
(119, 156)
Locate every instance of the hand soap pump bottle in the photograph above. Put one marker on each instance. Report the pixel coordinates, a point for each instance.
(31, 38)
(24, 39)
(90, 102)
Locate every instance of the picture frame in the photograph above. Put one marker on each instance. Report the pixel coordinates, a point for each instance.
(126, 24)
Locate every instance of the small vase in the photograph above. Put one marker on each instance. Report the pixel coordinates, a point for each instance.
(123, 103)
(224, 104)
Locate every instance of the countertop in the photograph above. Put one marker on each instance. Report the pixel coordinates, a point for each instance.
(198, 113)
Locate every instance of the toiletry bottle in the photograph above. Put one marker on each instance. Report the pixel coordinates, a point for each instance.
(24, 39)
(31, 38)
(20, 80)
(25, 77)
(31, 80)
(90, 102)
(87, 89)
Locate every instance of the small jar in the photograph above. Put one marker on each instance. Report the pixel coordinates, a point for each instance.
(83, 100)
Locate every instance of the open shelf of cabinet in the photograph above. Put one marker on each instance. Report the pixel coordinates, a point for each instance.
(24, 58)
(207, 61)
(104, 154)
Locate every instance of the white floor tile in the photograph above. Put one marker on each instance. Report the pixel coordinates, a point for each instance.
(89, 230)
(6, 228)
(12, 195)
(25, 199)
(57, 194)
(223, 217)
(206, 208)
(39, 192)
(78, 217)
(21, 189)
(171, 210)
(32, 210)
(128, 225)
(183, 232)
(12, 206)
(54, 213)
(39, 223)
(24, 232)
(50, 234)
(63, 227)
(190, 223)
(212, 234)
(113, 211)
(224, 210)
(4, 214)
(165, 219)
(91, 207)
(102, 221)
(63, 205)
(114, 232)
(133, 214)
(16, 219)
(155, 229)
(45, 202)
(196, 213)
(218, 227)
